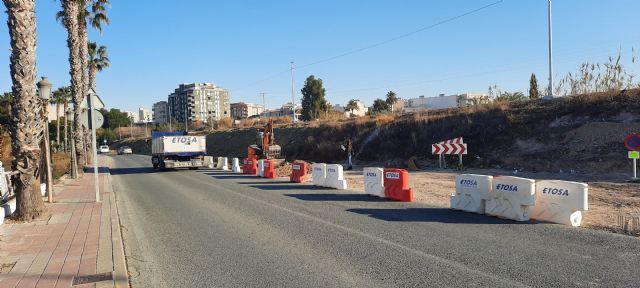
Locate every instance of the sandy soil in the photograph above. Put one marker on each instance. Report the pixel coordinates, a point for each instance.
(611, 200)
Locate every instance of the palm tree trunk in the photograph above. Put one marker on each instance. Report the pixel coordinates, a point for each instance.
(92, 78)
(70, 8)
(58, 124)
(26, 128)
(66, 106)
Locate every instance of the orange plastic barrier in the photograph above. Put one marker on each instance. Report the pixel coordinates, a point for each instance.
(250, 167)
(269, 171)
(299, 172)
(396, 185)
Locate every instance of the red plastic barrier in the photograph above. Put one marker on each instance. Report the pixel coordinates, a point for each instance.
(269, 171)
(250, 167)
(396, 185)
(299, 172)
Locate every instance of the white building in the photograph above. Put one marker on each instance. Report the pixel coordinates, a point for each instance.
(144, 115)
(160, 112)
(133, 116)
(199, 102)
(444, 101)
(360, 111)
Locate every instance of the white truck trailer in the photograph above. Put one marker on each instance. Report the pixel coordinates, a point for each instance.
(177, 150)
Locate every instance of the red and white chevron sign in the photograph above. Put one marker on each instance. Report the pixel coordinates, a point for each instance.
(451, 146)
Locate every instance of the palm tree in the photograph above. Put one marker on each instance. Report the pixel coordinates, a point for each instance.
(352, 105)
(392, 98)
(61, 97)
(98, 60)
(26, 123)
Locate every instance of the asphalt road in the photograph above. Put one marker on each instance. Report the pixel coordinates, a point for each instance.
(217, 229)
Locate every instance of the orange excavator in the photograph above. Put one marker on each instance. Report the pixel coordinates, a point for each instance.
(265, 147)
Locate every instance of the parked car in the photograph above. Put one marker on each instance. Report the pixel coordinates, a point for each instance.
(125, 150)
(104, 149)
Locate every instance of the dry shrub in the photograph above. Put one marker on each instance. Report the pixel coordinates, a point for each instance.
(384, 119)
(60, 164)
(332, 116)
(249, 122)
(224, 123)
(282, 120)
(128, 132)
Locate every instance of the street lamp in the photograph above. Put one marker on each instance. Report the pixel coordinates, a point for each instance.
(74, 164)
(44, 91)
(550, 52)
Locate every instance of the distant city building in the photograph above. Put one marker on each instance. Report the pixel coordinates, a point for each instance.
(361, 111)
(160, 112)
(444, 101)
(243, 110)
(285, 110)
(144, 115)
(133, 116)
(199, 102)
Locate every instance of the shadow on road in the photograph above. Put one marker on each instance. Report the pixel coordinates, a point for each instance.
(228, 176)
(290, 187)
(135, 170)
(442, 215)
(265, 182)
(101, 169)
(335, 197)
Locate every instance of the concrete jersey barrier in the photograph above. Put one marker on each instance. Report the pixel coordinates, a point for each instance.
(396, 185)
(222, 163)
(511, 198)
(472, 192)
(319, 174)
(335, 177)
(260, 167)
(560, 202)
(235, 166)
(207, 161)
(374, 181)
(269, 169)
(299, 172)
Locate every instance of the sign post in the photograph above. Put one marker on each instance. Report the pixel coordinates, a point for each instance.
(449, 147)
(632, 142)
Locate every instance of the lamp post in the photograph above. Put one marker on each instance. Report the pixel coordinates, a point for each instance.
(550, 53)
(74, 163)
(44, 91)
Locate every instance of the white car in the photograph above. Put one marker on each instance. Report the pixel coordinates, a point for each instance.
(104, 149)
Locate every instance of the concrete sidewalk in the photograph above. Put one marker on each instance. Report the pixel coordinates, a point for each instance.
(79, 242)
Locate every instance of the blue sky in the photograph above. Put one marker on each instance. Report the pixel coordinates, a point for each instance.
(155, 45)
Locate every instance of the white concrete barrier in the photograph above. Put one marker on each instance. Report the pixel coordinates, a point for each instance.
(222, 163)
(335, 177)
(43, 189)
(560, 202)
(319, 173)
(208, 161)
(235, 166)
(9, 207)
(511, 198)
(374, 181)
(472, 192)
(260, 167)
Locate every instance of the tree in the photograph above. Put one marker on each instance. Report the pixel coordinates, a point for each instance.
(392, 99)
(352, 105)
(534, 93)
(26, 121)
(60, 97)
(98, 60)
(70, 16)
(380, 106)
(6, 100)
(313, 102)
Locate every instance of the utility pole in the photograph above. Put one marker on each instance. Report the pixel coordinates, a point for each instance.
(293, 97)
(550, 53)
(264, 107)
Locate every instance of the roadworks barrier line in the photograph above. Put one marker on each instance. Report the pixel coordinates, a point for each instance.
(222, 163)
(335, 177)
(319, 174)
(472, 192)
(299, 172)
(269, 171)
(560, 202)
(396, 185)
(511, 198)
(235, 166)
(374, 181)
